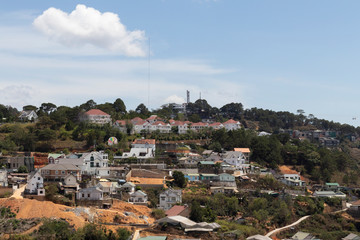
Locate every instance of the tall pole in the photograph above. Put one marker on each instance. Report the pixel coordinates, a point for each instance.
(149, 75)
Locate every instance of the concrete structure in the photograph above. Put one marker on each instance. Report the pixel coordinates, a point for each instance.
(57, 172)
(138, 198)
(169, 198)
(3, 178)
(291, 177)
(236, 159)
(91, 193)
(141, 149)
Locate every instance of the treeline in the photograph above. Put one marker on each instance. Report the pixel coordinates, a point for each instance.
(262, 119)
(318, 162)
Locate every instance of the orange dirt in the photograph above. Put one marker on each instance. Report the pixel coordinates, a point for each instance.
(30, 208)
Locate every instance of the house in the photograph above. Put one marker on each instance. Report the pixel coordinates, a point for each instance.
(181, 210)
(291, 177)
(89, 163)
(91, 193)
(192, 177)
(351, 236)
(169, 198)
(223, 190)
(3, 178)
(54, 157)
(96, 116)
(13, 163)
(138, 198)
(216, 125)
(225, 177)
(332, 187)
(329, 194)
(35, 184)
(28, 115)
(245, 151)
(232, 125)
(128, 187)
(198, 126)
(302, 236)
(141, 149)
(69, 184)
(57, 172)
(235, 158)
(108, 187)
(208, 177)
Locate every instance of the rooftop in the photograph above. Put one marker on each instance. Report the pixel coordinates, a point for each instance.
(96, 112)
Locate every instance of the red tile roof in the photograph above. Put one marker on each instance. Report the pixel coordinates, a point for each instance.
(159, 123)
(230, 121)
(121, 122)
(198, 124)
(96, 112)
(136, 119)
(175, 210)
(215, 124)
(144, 141)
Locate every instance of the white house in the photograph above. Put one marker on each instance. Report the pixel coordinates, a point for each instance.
(3, 178)
(232, 125)
(142, 149)
(138, 197)
(128, 187)
(169, 198)
(92, 163)
(91, 193)
(96, 116)
(291, 177)
(236, 159)
(35, 184)
(28, 115)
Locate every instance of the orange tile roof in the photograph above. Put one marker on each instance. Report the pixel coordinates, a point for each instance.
(286, 170)
(96, 112)
(243, 150)
(144, 141)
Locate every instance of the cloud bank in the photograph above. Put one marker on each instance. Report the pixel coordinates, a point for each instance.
(86, 25)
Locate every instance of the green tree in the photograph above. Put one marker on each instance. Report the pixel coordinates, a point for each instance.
(179, 179)
(23, 169)
(119, 106)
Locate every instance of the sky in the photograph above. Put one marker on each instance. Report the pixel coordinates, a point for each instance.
(279, 55)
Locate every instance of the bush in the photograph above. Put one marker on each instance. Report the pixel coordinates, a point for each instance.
(158, 213)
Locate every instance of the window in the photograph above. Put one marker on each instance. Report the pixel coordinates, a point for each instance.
(83, 195)
(88, 194)
(38, 178)
(56, 172)
(62, 172)
(41, 192)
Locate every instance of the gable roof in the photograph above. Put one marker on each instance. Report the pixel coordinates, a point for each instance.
(231, 121)
(60, 167)
(175, 210)
(96, 112)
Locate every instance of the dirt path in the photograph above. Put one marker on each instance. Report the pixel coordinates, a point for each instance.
(18, 193)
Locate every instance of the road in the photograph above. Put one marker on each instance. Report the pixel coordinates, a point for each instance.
(288, 226)
(300, 220)
(18, 193)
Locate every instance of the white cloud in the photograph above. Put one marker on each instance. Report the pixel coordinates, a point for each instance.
(86, 25)
(17, 95)
(174, 99)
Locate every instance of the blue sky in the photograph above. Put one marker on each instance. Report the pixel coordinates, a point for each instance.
(279, 55)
